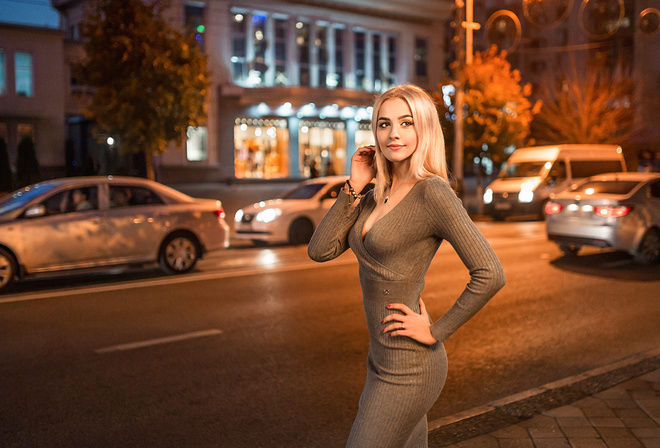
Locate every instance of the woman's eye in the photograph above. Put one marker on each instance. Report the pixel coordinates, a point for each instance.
(406, 123)
(383, 124)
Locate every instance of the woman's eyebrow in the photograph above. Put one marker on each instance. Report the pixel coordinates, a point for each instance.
(401, 117)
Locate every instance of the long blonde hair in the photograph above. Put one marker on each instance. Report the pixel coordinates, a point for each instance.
(429, 159)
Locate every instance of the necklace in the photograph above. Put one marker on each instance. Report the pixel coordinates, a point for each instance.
(387, 198)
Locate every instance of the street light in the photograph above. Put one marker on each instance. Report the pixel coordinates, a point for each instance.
(469, 26)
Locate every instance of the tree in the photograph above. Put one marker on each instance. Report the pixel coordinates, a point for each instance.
(28, 170)
(151, 81)
(499, 112)
(5, 168)
(592, 106)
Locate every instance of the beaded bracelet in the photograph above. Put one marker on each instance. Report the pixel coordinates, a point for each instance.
(352, 192)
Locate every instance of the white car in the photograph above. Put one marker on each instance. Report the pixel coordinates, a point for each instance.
(76, 223)
(617, 210)
(292, 217)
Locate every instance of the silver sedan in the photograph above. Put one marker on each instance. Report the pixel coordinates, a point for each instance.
(617, 210)
(97, 222)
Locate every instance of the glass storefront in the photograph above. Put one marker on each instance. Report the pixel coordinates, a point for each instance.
(261, 148)
(322, 147)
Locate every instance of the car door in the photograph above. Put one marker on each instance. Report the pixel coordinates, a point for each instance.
(59, 234)
(137, 221)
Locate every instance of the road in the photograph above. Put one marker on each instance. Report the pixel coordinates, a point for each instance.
(261, 347)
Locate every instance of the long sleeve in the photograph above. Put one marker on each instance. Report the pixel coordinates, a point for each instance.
(449, 220)
(330, 239)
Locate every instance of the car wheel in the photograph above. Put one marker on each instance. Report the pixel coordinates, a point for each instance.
(179, 253)
(570, 250)
(8, 268)
(301, 231)
(649, 249)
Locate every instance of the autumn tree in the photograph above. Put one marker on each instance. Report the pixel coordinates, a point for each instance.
(586, 106)
(499, 112)
(150, 80)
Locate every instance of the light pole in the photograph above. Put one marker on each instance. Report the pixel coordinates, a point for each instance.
(466, 28)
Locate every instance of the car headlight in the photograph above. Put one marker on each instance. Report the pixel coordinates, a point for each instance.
(238, 216)
(268, 215)
(526, 193)
(488, 196)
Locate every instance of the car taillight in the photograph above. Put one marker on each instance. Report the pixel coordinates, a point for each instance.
(612, 211)
(552, 208)
(220, 213)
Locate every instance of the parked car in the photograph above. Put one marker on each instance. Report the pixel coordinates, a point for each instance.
(95, 222)
(617, 210)
(532, 174)
(293, 216)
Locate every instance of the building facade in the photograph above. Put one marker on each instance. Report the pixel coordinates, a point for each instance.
(32, 92)
(292, 82)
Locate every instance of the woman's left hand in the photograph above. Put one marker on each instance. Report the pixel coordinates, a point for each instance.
(415, 326)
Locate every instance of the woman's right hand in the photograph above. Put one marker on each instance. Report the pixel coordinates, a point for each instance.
(363, 167)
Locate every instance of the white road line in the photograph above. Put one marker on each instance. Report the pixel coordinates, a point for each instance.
(158, 341)
(175, 279)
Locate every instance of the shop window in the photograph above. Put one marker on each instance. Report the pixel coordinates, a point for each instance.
(24, 82)
(196, 144)
(239, 47)
(322, 148)
(421, 58)
(261, 148)
(281, 33)
(363, 134)
(194, 17)
(302, 41)
(3, 73)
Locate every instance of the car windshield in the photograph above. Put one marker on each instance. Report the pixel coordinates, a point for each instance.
(522, 169)
(19, 198)
(606, 187)
(304, 191)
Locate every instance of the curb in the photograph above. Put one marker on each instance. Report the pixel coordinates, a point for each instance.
(515, 408)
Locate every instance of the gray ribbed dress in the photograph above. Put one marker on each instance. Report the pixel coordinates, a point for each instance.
(405, 377)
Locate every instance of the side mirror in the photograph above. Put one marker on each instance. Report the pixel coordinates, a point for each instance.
(35, 211)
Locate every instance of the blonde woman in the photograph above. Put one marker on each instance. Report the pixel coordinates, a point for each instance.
(394, 231)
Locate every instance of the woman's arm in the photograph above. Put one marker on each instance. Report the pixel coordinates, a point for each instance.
(449, 220)
(330, 239)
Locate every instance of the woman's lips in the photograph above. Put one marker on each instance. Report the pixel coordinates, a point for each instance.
(395, 147)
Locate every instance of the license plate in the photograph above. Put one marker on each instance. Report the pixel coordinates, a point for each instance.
(502, 206)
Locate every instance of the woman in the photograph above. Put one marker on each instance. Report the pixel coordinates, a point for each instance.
(394, 231)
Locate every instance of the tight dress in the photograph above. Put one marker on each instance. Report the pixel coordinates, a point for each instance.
(405, 377)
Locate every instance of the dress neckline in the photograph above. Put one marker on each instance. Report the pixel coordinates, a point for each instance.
(364, 234)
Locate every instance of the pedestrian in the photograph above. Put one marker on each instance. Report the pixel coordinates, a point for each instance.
(394, 231)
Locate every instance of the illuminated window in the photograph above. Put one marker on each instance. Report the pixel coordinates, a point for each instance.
(302, 41)
(421, 57)
(196, 145)
(3, 75)
(281, 78)
(239, 46)
(339, 57)
(323, 56)
(23, 65)
(258, 66)
(194, 16)
(391, 62)
(360, 58)
(261, 148)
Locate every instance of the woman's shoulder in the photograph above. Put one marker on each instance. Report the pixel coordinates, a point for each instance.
(435, 185)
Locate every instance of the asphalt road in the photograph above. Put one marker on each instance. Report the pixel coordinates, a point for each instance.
(264, 348)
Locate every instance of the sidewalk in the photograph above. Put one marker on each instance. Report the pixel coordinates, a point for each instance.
(617, 406)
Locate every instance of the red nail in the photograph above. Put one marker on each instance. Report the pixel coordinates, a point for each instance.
(387, 306)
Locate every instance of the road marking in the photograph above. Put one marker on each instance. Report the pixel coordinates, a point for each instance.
(177, 279)
(158, 341)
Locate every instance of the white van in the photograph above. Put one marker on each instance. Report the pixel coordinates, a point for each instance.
(532, 174)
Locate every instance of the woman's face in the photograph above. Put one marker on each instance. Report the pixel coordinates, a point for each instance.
(396, 133)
